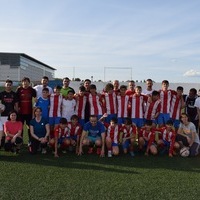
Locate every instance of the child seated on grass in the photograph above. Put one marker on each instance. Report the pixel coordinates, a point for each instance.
(147, 139)
(60, 137)
(74, 132)
(167, 140)
(112, 138)
(128, 136)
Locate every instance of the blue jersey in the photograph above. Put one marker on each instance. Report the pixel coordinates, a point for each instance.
(39, 127)
(94, 131)
(44, 105)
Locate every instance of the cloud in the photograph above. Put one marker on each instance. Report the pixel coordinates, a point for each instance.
(192, 73)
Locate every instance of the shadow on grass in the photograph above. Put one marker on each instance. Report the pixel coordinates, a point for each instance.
(121, 164)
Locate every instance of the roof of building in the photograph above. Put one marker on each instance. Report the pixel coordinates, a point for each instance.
(30, 58)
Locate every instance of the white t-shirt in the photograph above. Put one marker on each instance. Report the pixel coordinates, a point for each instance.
(68, 108)
(147, 92)
(188, 130)
(39, 89)
(197, 103)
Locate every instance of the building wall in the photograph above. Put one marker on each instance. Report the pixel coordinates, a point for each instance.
(23, 67)
(8, 72)
(34, 70)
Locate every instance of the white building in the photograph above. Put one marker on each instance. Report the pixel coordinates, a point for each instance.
(15, 66)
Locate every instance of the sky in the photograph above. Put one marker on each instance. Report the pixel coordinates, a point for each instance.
(107, 39)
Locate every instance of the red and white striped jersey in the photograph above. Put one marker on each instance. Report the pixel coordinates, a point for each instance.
(110, 103)
(151, 109)
(74, 129)
(128, 130)
(166, 97)
(60, 132)
(176, 105)
(168, 136)
(55, 105)
(80, 106)
(95, 106)
(147, 135)
(137, 105)
(130, 92)
(113, 133)
(122, 104)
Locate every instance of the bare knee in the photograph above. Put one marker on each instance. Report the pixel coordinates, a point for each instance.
(98, 143)
(176, 145)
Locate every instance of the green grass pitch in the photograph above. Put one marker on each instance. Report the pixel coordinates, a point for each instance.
(26, 176)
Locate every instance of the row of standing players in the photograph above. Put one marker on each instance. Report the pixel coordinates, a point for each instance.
(156, 106)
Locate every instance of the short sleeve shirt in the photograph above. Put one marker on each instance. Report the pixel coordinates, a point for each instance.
(8, 99)
(13, 127)
(39, 127)
(25, 96)
(94, 131)
(197, 103)
(188, 130)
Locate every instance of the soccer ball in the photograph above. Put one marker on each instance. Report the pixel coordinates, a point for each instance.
(184, 152)
(2, 107)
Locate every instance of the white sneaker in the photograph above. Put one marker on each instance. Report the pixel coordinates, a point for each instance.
(109, 154)
(64, 151)
(44, 151)
(132, 154)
